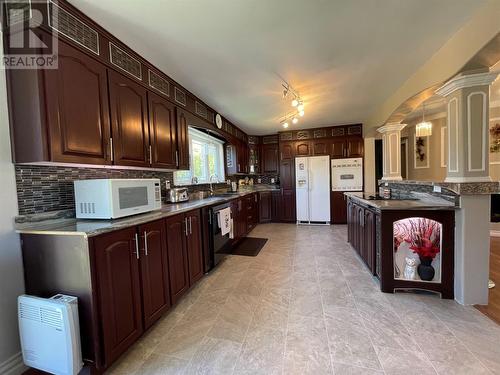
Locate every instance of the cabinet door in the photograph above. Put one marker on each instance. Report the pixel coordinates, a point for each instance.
(154, 271)
(288, 212)
(369, 241)
(162, 132)
(287, 174)
(321, 147)
(242, 157)
(182, 140)
(287, 151)
(338, 148)
(270, 158)
(355, 146)
(265, 207)
(117, 272)
(177, 256)
(276, 206)
(194, 247)
(254, 162)
(77, 109)
(303, 148)
(339, 207)
(242, 218)
(129, 121)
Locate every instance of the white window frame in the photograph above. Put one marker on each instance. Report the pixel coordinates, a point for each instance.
(182, 178)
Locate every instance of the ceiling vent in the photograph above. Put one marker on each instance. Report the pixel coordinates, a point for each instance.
(158, 83)
(71, 27)
(180, 96)
(125, 62)
(200, 109)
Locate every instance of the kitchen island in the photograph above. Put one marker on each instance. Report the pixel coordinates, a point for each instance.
(406, 242)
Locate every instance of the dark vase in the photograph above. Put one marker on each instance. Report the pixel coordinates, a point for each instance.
(425, 270)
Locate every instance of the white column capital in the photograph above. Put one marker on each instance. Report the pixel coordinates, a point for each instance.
(391, 127)
(466, 80)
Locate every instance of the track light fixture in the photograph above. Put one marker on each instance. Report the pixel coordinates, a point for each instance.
(296, 101)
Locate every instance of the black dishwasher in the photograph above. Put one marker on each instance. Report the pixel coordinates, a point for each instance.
(218, 245)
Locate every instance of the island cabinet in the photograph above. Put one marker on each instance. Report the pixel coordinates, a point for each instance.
(387, 240)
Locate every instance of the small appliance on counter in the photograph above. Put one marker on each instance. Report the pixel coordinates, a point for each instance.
(114, 198)
(177, 195)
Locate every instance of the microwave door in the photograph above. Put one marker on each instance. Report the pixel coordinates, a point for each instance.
(130, 198)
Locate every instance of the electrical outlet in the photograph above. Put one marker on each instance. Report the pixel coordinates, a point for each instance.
(436, 189)
(272, 180)
(167, 184)
(259, 180)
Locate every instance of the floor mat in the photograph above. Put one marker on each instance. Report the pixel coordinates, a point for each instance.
(249, 246)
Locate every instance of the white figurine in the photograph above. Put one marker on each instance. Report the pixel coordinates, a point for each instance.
(410, 269)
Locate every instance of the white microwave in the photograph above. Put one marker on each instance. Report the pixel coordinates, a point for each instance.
(115, 198)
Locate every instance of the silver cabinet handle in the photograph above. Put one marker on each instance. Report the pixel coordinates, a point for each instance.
(146, 243)
(255, 198)
(137, 246)
(177, 158)
(111, 150)
(190, 227)
(150, 155)
(186, 226)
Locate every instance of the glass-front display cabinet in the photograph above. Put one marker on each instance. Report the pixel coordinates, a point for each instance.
(417, 251)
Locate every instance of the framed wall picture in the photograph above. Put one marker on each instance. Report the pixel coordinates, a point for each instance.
(422, 152)
(495, 140)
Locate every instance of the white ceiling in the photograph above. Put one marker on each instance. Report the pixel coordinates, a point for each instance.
(344, 57)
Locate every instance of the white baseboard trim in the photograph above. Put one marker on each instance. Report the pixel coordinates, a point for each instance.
(13, 365)
(495, 233)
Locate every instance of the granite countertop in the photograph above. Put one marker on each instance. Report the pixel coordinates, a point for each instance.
(419, 201)
(90, 228)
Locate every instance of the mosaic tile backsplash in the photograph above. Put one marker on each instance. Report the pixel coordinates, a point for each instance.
(50, 188)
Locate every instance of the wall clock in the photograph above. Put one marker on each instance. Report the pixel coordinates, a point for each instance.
(218, 121)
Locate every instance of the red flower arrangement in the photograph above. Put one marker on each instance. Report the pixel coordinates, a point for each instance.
(423, 236)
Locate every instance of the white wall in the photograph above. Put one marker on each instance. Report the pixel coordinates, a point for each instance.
(11, 270)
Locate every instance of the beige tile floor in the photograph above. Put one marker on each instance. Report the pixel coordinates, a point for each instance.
(307, 305)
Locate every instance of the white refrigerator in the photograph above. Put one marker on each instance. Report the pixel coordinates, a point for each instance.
(312, 184)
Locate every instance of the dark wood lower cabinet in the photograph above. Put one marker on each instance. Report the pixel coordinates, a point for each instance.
(154, 271)
(177, 257)
(265, 207)
(194, 247)
(287, 206)
(118, 282)
(276, 206)
(338, 207)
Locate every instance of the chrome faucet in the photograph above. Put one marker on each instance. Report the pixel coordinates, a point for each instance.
(210, 181)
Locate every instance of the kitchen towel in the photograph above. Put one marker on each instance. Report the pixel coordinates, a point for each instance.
(224, 219)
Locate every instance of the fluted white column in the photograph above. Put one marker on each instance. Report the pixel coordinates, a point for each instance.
(391, 149)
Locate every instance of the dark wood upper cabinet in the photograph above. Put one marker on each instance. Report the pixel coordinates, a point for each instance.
(194, 247)
(117, 270)
(303, 148)
(321, 147)
(177, 256)
(355, 145)
(77, 109)
(154, 271)
(287, 151)
(270, 161)
(162, 130)
(242, 157)
(129, 121)
(338, 148)
(182, 140)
